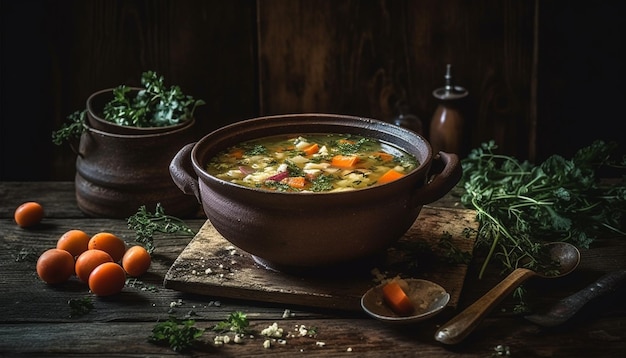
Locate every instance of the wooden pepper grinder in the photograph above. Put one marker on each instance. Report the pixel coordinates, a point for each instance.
(446, 126)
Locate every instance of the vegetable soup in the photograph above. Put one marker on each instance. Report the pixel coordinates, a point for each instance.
(312, 163)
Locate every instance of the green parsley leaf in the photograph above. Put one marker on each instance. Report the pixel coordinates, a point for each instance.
(236, 322)
(146, 224)
(179, 335)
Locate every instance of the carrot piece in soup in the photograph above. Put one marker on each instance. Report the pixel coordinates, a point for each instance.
(295, 182)
(237, 153)
(396, 298)
(385, 157)
(389, 176)
(344, 161)
(312, 149)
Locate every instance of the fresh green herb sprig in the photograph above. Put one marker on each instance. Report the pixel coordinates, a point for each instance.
(146, 224)
(70, 130)
(154, 106)
(521, 206)
(179, 335)
(236, 322)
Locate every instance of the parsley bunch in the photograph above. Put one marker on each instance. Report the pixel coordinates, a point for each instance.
(520, 206)
(72, 129)
(154, 106)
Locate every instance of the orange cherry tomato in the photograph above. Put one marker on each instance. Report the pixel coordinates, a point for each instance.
(107, 279)
(110, 243)
(55, 266)
(28, 214)
(74, 241)
(136, 261)
(88, 261)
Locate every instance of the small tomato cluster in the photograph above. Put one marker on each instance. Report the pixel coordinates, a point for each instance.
(102, 261)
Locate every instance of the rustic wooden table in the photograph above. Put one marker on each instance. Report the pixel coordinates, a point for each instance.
(36, 317)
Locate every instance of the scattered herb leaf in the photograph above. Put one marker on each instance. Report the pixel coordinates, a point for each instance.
(521, 306)
(80, 306)
(236, 322)
(322, 182)
(347, 147)
(26, 254)
(179, 335)
(257, 149)
(146, 224)
(450, 253)
(312, 331)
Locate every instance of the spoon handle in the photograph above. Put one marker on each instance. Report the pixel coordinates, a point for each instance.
(460, 326)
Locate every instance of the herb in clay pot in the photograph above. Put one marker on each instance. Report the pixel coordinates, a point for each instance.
(154, 105)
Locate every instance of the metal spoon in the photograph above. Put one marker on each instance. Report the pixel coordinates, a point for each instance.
(428, 298)
(459, 327)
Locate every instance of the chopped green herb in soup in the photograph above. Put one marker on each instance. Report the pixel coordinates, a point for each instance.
(314, 163)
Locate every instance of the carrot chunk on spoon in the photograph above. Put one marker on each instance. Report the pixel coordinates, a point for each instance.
(397, 299)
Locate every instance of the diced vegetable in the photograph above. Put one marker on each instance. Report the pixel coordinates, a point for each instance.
(237, 153)
(344, 161)
(390, 176)
(312, 149)
(385, 157)
(246, 169)
(396, 298)
(295, 182)
(278, 177)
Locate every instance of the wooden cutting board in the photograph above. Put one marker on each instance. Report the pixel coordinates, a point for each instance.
(212, 266)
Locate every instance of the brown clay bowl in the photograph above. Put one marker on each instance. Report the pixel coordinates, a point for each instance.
(306, 231)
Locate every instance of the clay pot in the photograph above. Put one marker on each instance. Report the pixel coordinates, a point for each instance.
(95, 116)
(119, 169)
(296, 232)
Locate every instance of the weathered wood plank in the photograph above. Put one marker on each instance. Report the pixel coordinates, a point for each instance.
(210, 265)
(364, 338)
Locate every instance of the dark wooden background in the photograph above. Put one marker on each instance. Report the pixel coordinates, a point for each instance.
(545, 77)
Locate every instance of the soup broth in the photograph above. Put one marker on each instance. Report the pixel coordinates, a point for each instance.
(312, 163)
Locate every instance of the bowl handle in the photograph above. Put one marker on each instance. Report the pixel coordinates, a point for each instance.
(445, 173)
(183, 175)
